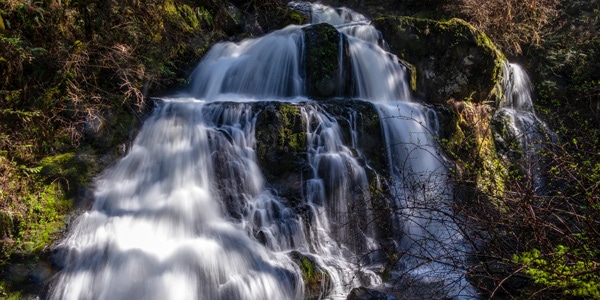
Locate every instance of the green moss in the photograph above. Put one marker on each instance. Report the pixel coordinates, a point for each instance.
(6, 294)
(186, 18)
(452, 59)
(312, 275)
(322, 44)
(296, 141)
(297, 17)
(412, 70)
(281, 138)
(308, 269)
(317, 282)
(474, 150)
(45, 218)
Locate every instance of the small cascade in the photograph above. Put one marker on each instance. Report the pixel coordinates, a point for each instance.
(267, 67)
(369, 62)
(434, 251)
(338, 196)
(362, 31)
(157, 231)
(520, 126)
(319, 13)
(517, 89)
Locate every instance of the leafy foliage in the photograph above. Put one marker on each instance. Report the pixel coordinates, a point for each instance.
(576, 278)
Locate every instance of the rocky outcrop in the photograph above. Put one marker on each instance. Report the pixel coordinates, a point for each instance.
(281, 145)
(451, 59)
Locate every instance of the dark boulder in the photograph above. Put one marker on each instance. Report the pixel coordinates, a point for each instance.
(363, 293)
(451, 59)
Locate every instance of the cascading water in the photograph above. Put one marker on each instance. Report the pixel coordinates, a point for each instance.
(157, 231)
(433, 248)
(188, 213)
(522, 133)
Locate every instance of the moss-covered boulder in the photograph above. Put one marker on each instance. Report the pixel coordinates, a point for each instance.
(322, 48)
(480, 171)
(281, 147)
(451, 59)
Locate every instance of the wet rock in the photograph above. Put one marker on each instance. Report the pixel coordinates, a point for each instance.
(281, 147)
(363, 293)
(451, 59)
(322, 48)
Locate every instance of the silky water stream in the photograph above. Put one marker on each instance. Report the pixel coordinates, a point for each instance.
(188, 213)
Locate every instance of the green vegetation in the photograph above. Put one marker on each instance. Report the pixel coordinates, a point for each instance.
(579, 278)
(289, 137)
(554, 236)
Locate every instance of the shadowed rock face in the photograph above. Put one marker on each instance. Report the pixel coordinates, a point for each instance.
(281, 147)
(451, 59)
(322, 48)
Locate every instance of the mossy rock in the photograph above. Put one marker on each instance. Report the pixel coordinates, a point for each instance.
(322, 48)
(281, 147)
(452, 59)
(480, 172)
(317, 281)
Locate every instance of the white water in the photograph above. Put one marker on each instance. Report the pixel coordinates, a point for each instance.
(265, 67)
(518, 116)
(434, 251)
(178, 217)
(157, 231)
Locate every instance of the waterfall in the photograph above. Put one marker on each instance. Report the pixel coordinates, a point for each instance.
(523, 136)
(156, 229)
(434, 251)
(265, 67)
(189, 214)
